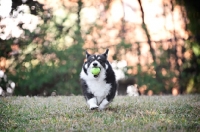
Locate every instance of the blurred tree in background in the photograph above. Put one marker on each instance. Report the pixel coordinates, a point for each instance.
(50, 57)
(192, 70)
(44, 46)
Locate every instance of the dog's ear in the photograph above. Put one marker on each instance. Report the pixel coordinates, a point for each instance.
(87, 54)
(106, 53)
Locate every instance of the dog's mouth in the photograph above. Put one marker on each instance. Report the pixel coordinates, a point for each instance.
(96, 75)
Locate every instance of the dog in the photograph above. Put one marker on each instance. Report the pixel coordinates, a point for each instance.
(98, 90)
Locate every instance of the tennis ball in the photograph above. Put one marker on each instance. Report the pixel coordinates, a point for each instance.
(95, 70)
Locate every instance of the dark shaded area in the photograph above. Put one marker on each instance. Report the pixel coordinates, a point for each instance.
(34, 5)
(124, 83)
(193, 14)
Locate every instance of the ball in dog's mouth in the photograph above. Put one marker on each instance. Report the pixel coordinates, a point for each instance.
(95, 71)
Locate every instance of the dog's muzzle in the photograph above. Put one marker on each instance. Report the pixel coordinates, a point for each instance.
(95, 76)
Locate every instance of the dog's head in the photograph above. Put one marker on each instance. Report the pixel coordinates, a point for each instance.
(99, 61)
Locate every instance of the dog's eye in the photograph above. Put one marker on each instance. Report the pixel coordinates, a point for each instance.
(100, 60)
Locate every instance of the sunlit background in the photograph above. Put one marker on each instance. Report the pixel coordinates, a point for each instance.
(154, 50)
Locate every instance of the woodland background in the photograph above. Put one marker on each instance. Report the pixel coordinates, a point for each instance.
(156, 43)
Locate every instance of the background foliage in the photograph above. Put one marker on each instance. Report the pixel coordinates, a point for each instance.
(193, 70)
(50, 57)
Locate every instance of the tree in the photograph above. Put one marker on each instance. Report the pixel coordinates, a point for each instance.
(51, 56)
(192, 68)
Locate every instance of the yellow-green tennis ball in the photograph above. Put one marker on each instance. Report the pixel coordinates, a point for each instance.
(95, 70)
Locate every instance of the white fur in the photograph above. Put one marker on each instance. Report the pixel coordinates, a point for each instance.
(92, 103)
(97, 86)
(106, 66)
(103, 104)
(98, 64)
(86, 66)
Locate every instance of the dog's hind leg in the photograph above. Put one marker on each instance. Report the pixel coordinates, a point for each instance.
(92, 103)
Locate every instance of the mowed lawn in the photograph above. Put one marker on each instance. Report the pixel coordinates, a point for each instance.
(125, 114)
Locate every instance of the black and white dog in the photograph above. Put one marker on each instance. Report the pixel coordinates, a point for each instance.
(98, 90)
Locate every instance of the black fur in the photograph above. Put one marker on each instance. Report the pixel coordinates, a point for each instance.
(110, 75)
(86, 94)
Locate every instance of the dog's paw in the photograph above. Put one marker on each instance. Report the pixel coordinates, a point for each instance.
(94, 108)
(103, 104)
(100, 108)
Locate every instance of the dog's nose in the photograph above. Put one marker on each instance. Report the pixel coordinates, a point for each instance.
(94, 64)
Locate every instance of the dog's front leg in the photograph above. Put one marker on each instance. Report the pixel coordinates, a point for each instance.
(92, 103)
(103, 104)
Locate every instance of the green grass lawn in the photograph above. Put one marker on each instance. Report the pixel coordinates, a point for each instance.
(70, 113)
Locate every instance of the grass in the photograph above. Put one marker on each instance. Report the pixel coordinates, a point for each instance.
(70, 113)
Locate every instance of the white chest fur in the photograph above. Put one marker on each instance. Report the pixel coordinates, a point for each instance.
(100, 89)
(97, 86)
